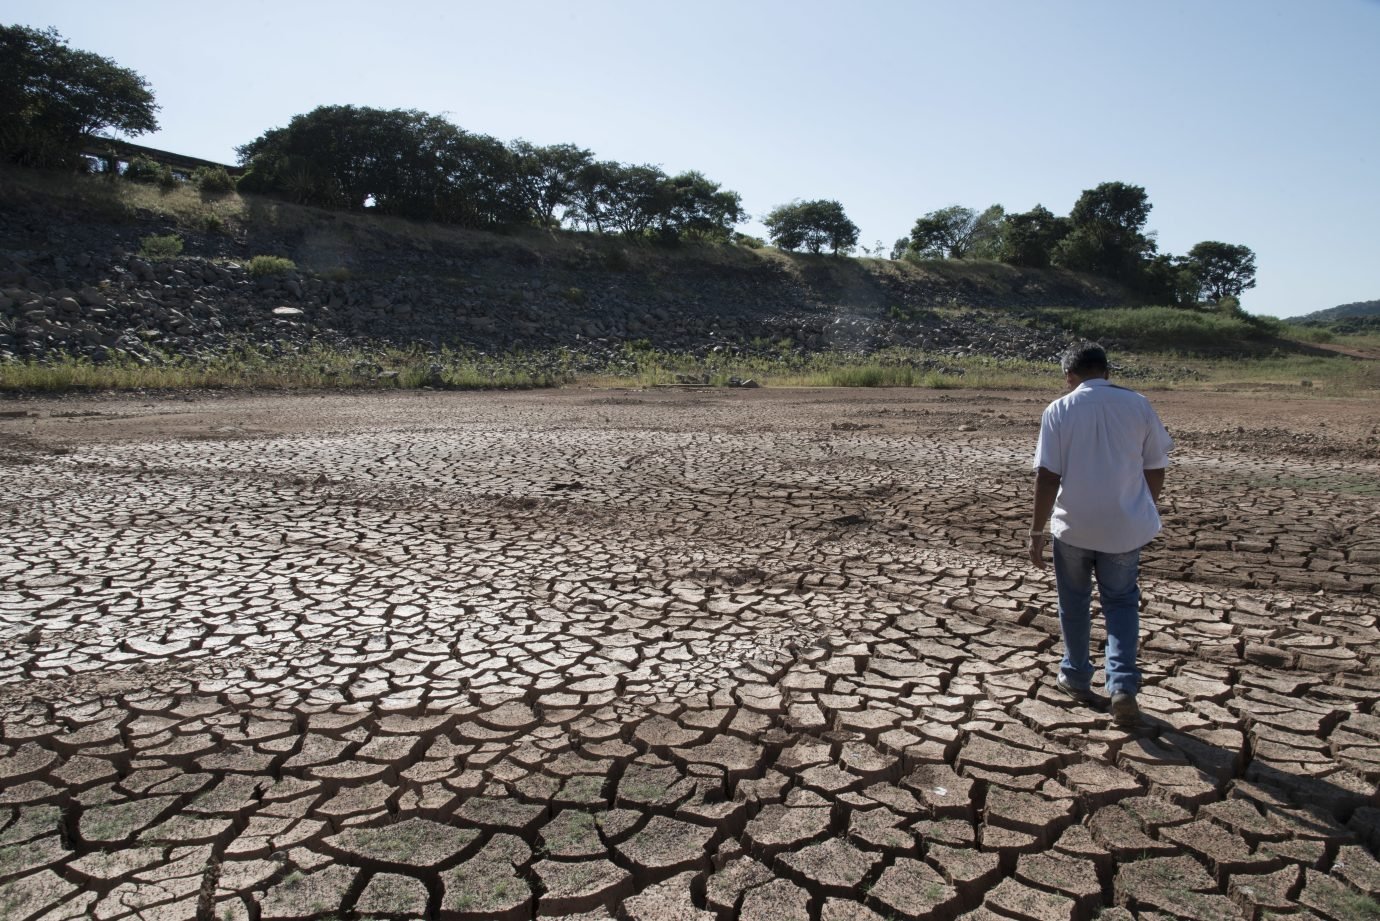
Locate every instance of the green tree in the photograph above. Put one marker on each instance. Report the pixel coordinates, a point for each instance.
(986, 235)
(545, 178)
(1029, 238)
(637, 199)
(812, 225)
(52, 98)
(956, 232)
(1166, 279)
(395, 161)
(1106, 233)
(701, 209)
(476, 182)
(1220, 270)
(642, 201)
(595, 186)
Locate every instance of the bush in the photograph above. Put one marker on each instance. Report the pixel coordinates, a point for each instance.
(270, 265)
(1230, 306)
(149, 172)
(213, 180)
(161, 248)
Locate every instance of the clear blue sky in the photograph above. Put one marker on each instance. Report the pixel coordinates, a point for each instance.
(1247, 121)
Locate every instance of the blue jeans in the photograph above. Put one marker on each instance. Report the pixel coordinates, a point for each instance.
(1116, 573)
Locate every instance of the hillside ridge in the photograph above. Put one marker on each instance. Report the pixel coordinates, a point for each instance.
(72, 280)
(1340, 312)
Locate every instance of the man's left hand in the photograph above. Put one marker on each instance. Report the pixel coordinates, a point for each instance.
(1037, 550)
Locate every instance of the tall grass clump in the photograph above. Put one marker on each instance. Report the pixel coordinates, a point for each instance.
(161, 247)
(270, 265)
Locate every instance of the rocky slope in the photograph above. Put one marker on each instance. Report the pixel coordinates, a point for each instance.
(71, 281)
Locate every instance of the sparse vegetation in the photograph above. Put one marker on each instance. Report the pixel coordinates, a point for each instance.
(161, 247)
(316, 367)
(585, 788)
(213, 180)
(142, 169)
(270, 265)
(1168, 329)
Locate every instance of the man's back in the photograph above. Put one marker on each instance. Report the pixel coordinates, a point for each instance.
(1100, 439)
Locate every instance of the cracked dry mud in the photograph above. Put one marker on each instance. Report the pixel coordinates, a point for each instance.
(660, 656)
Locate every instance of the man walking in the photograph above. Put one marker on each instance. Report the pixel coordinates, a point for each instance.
(1099, 468)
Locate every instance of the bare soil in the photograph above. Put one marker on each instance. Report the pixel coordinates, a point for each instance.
(668, 654)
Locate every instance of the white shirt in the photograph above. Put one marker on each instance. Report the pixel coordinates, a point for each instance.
(1101, 439)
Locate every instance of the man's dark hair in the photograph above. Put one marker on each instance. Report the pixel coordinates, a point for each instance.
(1084, 358)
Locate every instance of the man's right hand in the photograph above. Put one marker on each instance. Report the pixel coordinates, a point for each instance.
(1037, 551)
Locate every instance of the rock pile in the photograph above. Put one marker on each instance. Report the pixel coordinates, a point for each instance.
(84, 291)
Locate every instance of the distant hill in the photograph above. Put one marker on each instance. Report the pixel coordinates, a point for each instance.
(1341, 312)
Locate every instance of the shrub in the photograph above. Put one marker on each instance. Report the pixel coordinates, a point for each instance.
(149, 172)
(141, 169)
(749, 241)
(270, 265)
(161, 248)
(213, 180)
(1230, 306)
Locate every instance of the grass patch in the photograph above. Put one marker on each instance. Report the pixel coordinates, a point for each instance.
(642, 366)
(318, 367)
(1171, 329)
(160, 248)
(1316, 375)
(117, 199)
(270, 265)
(1315, 334)
(252, 367)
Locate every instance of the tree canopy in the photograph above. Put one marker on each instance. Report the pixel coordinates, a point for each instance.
(1106, 233)
(955, 232)
(812, 225)
(397, 161)
(1221, 269)
(1103, 235)
(409, 163)
(53, 97)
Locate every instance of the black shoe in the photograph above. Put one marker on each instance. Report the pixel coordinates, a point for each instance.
(1082, 695)
(1124, 710)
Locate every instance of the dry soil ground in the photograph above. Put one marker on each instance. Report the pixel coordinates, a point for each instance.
(668, 655)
